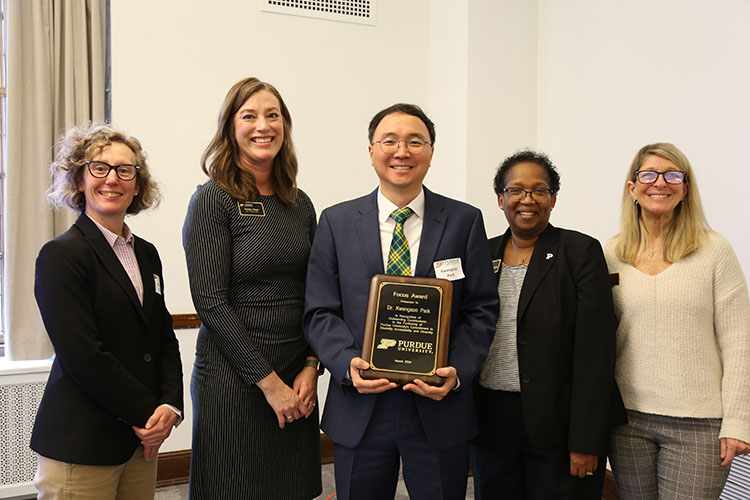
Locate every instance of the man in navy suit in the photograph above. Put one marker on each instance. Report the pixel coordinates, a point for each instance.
(376, 423)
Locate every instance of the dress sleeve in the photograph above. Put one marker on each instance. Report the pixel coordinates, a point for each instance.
(207, 240)
(732, 327)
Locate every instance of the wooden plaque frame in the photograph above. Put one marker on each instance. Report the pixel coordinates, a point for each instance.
(407, 328)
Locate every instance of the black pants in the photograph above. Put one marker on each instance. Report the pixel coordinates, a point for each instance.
(506, 465)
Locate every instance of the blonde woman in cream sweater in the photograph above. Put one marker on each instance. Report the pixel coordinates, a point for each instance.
(683, 341)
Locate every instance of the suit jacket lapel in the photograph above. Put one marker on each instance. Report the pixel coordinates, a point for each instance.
(368, 233)
(433, 226)
(545, 254)
(108, 259)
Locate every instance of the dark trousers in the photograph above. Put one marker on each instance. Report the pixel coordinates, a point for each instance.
(395, 435)
(506, 465)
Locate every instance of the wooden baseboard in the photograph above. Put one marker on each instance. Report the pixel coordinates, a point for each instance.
(326, 449)
(174, 468)
(610, 490)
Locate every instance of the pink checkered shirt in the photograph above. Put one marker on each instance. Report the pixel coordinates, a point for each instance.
(125, 250)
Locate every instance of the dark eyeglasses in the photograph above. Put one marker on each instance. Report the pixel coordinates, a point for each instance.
(101, 169)
(650, 176)
(518, 194)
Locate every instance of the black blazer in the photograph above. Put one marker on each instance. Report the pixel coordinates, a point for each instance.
(115, 360)
(566, 329)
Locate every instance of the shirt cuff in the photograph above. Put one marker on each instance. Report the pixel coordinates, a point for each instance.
(178, 412)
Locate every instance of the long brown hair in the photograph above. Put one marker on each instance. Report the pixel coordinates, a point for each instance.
(220, 160)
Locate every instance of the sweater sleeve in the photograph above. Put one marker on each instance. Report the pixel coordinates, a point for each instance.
(732, 327)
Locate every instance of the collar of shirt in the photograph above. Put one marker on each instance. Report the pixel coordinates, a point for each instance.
(412, 226)
(386, 206)
(112, 237)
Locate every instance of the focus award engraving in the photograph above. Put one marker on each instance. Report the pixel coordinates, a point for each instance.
(407, 328)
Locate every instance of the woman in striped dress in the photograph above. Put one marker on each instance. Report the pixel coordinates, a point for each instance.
(247, 237)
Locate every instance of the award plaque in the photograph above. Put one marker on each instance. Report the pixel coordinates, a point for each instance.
(407, 328)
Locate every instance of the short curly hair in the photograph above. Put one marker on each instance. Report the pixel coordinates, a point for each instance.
(530, 156)
(83, 143)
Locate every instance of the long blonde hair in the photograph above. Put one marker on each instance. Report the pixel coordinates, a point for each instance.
(687, 230)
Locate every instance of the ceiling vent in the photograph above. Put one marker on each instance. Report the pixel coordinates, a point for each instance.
(348, 11)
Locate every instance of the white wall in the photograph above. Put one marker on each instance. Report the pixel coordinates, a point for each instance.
(614, 76)
(588, 81)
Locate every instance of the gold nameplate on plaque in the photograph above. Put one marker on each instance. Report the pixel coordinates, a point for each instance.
(251, 208)
(407, 328)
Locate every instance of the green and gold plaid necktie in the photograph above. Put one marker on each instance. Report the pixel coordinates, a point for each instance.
(399, 259)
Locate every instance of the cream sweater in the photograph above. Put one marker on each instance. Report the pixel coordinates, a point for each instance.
(683, 342)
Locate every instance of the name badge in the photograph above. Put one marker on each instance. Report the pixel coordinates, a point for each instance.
(449, 269)
(251, 208)
(496, 265)
(157, 284)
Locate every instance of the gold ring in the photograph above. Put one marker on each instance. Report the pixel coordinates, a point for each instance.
(589, 473)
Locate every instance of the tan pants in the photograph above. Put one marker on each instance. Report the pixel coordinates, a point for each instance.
(133, 480)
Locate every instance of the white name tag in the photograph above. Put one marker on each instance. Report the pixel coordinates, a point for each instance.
(157, 284)
(449, 269)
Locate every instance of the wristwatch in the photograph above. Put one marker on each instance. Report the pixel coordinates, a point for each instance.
(315, 363)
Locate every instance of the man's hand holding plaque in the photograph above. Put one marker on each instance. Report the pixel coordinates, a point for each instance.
(406, 336)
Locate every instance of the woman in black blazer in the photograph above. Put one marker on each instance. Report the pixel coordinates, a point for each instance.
(546, 395)
(115, 387)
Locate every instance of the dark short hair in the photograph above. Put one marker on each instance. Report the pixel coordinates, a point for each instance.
(407, 109)
(530, 156)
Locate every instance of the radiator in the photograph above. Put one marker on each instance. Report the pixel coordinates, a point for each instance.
(21, 388)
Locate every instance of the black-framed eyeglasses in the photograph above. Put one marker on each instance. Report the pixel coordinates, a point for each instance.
(518, 194)
(651, 176)
(101, 169)
(390, 146)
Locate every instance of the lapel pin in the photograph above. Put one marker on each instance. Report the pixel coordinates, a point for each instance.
(549, 256)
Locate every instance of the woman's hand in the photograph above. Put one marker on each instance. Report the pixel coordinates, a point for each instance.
(306, 386)
(731, 448)
(582, 465)
(158, 427)
(285, 402)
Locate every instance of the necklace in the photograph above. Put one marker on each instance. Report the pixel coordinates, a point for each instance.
(651, 253)
(521, 258)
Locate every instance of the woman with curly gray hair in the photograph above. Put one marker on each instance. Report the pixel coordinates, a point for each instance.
(115, 387)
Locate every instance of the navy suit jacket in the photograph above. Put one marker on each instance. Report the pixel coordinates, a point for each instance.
(565, 337)
(115, 360)
(345, 254)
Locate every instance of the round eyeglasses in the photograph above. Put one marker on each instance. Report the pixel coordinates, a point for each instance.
(390, 146)
(518, 194)
(101, 169)
(650, 176)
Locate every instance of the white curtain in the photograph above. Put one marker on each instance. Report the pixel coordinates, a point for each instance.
(56, 71)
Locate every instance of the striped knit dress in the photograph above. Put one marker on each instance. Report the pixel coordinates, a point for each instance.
(247, 279)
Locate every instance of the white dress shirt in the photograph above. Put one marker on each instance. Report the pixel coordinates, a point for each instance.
(412, 226)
